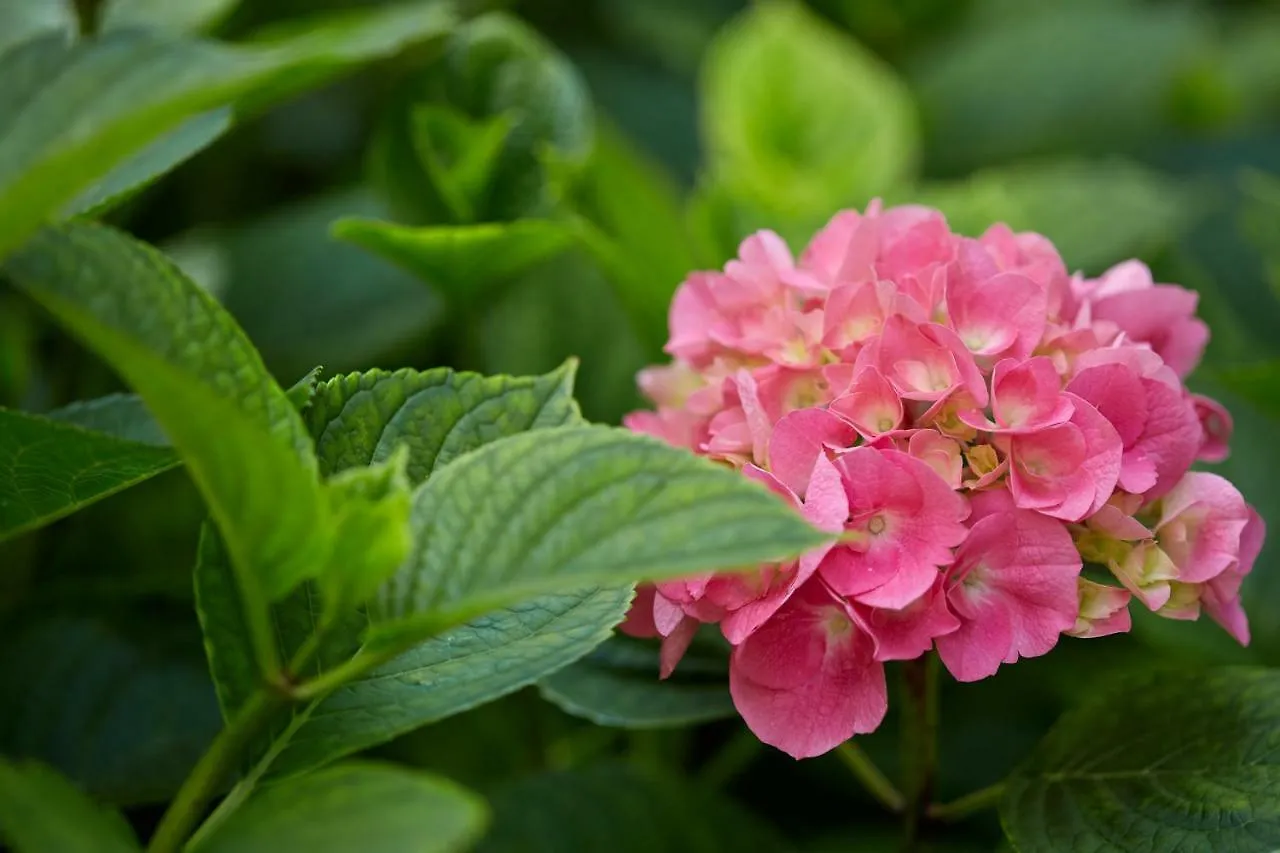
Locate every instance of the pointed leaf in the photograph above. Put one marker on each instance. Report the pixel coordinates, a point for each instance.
(1192, 763)
(40, 812)
(189, 16)
(369, 807)
(466, 262)
(23, 20)
(548, 510)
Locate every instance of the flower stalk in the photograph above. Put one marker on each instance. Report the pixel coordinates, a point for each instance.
(919, 741)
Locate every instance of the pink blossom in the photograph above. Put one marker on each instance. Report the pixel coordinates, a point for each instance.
(1221, 594)
(1066, 471)
(907, 632)
(925, 361)
(996, 314)
(1025, 397)
(1013, 586)
(1201, 523)
(1104, 610)
(1034, 256)
(1216, 426)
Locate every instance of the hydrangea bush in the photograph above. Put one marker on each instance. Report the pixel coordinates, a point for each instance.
(1003, 449)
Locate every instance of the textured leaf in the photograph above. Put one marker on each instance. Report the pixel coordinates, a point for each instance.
(617, 685)
(465, 262)
(22, 20)
(130, 87)
(124, 717)
(548, 510)
(622, 810)
(483, 660)
(798, 149)
(1185, 761)
(124, 416)
(189, 16)
(368, 807)
(147, 165)
(1097, 214)
(438, 414)
(40, 812)
(51, 466)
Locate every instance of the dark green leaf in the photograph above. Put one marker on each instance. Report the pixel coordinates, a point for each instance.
(22, 20)
(125, 717)
(1166, 761)
(466, 262)
(124, 416)
(1097, 214)
(40, 812)
(242, 440)
(801, 149)
(548, 510)
(622, 810)
(1258, 383)
(617, 685)
(188, 16)
(368, 807)
(51, 466)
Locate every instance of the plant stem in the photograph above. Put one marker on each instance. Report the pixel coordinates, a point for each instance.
(213, 768)
(919, 741)
(976, 801)
(876, 783)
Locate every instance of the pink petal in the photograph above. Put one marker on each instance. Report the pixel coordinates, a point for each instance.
(870, 404)
(639, 621)
(940, 453)
(674, 645)
(1027, 395)
(1003, 315)
(800, 438)
(1104, 610)
(907, 633)
(1216, 424)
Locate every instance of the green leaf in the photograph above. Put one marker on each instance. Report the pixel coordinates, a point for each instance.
(637, 231)
(51, 466)
(459, 154)
(242, 440)
(359, 806)
(439, 415)
(623, 810)
(1258, 383)
(128, 88)
(189, 16)
(124, 716)
(466, 262)
(1102, 79)
(40, 812)
(1260, 221)
(617, 685)
(148, 165)
(1191, 763)
(1096, 213)
(23, 20)
(548, 510)
(799, 149)
(483, 660)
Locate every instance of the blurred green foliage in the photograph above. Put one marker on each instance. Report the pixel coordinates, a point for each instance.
(618, 144)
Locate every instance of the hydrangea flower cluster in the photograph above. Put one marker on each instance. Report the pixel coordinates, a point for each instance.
(976, 425)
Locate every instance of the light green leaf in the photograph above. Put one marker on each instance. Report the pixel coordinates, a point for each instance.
(789, 143)
(51, 466)
(359, 806)
(40, 812)
(124, 717)
(23, 20)
(1080, 78)
(242, 440)
(459, 154)
(617, 685)
(481, 661)
(128, 88)
(145, 167)
(1096, 213)
(548, 510)
(439, 415)
(188, 16)
(466, 262)
(623, 810)
(1191, 763)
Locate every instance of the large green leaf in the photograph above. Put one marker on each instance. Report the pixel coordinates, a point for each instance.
(1166, 761)
(799, 118)
(130, 87)
(466, 262)
(52, 465)
(621, 810)
(22, 20)
(369, 807)
(40, 812)
(617, 685)
(548, 510)
(1096, 213)
(242, 440)
(125, 717)
(188, 16)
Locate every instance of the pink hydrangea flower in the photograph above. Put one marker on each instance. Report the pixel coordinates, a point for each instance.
(972, 424)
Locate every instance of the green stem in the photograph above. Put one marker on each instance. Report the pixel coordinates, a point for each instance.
(977, 801)
(211, 771)
(876, 783)
(919, 741)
